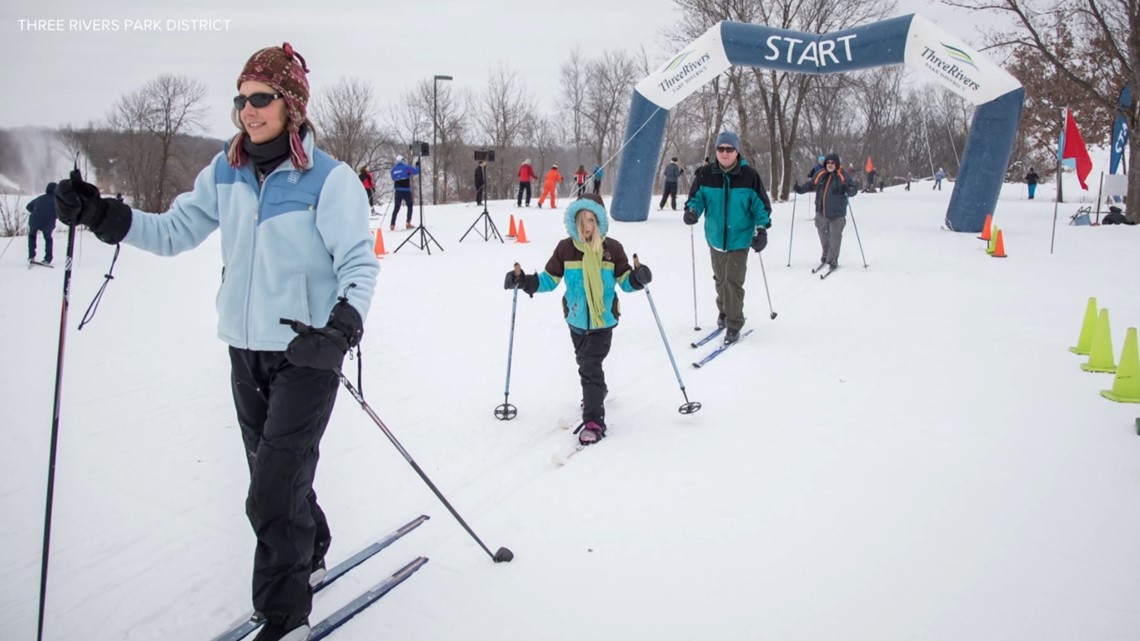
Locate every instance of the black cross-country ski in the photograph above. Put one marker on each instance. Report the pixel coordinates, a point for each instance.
(716, 332)
(36, 263)
(326, 626)
(828, 273)
(253, 622)
(816, 270)
(719, 350)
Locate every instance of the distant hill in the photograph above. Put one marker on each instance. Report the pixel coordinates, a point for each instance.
(31, 157)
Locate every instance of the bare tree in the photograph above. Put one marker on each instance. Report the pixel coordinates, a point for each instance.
(1107, 40)
(606, 104)
(407, 120)
(502, 114)
(77, 143)
(573, 98)
(151, 118)
(345, 116)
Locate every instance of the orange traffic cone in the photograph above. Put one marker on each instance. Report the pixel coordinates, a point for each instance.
(521, 238)
(999, 246)
(986, 230)
(511, 233)
(379, 247)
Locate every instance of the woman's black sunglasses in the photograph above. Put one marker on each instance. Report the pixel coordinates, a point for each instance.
(258, 100)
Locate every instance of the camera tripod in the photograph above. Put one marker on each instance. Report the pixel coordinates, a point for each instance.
(489, 228)
(422, 235)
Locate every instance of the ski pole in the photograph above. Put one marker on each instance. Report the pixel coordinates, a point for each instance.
(857, 239)
(792, 233)
(15, 232)
(693, 252)
(688, 407)
(8, 245)
(54, 447)
(503, 554)
(764, 273)
(506, 411)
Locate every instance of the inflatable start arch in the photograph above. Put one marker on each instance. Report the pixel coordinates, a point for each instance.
(911, 40)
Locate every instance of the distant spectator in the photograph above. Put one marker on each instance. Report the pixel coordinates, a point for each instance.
(817, 168)
(580, 177)
(526, 175)
(480, 181)
(41, 220)
(402, 189)
(1031, 179)
(598, 173)
(938, 176)
(550, 185)
(673, 173)
(369, 184)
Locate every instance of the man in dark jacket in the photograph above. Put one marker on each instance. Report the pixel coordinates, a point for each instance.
(480, 181)
(832, 188)
(1031, 180)
(673, 173)
(41, 220)
(732, 198)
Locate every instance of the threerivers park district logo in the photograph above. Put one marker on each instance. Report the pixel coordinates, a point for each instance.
(678, 69)
(959, 55)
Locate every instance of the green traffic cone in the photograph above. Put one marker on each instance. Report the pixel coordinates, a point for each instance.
(1087, 327)
(1100, 353)
(1126, 385)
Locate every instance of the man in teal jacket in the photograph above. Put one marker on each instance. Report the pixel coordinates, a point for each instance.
(732, 198)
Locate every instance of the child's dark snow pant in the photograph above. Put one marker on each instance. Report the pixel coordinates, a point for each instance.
(590, 349)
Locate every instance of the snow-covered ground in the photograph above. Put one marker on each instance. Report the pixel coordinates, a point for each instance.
(908, 452)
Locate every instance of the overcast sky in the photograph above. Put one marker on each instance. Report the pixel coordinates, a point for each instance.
(74, 75)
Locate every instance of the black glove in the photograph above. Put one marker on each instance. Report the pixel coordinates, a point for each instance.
(760, 240)
(640, 277)
(78, 203)
(526, 282)
(417, 163)
(325, 347)
(690, 217)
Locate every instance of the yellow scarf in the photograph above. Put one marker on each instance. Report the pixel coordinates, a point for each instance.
(592, 282)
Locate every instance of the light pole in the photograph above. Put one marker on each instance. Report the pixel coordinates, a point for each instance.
(434, 125)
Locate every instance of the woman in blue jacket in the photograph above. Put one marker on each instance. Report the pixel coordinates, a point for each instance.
(593, 266)
(296, 246)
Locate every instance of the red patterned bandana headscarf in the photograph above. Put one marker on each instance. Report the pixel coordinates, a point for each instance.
(284, 70)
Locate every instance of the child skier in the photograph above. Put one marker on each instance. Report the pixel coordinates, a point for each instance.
(592, 265)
